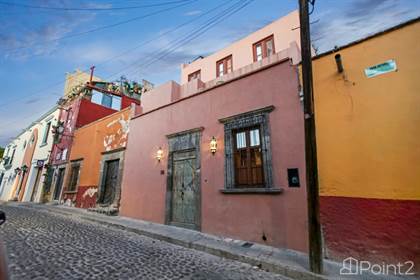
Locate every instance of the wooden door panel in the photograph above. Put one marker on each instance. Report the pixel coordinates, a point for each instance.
(59, 183)
(111, 177)
(185, 189)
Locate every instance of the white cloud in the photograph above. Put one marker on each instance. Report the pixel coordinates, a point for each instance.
(357, 20)
(193, 13)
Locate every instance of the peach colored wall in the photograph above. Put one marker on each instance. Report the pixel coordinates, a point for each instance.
(90, 141)
(285, 34)
(282, 218)
(159, 96)
(27, 160)
(171, 91)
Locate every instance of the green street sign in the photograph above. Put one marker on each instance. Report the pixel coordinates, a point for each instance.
(379, 69)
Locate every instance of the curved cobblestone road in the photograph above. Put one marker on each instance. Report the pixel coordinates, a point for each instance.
(45, 245)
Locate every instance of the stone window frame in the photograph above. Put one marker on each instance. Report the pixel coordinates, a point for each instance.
(108, 156)
(258, 117)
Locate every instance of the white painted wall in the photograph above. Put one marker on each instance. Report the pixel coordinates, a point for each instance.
(10, 179)
(42, 152)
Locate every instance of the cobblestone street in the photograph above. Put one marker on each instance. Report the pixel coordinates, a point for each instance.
(44, 245)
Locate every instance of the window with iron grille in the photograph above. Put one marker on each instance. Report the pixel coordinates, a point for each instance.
(248, 158)
(248, 150)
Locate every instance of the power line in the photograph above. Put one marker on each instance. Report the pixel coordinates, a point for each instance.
(177, 43)
(209, 24)
(184, 3)
(89, 9)
(202, 31)
(142, 44)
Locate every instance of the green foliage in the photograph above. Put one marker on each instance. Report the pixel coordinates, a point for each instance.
(1, 152)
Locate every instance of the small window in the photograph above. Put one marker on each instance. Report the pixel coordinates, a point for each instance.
(240, 140)
(107, 100)
(263, 48)
(13, 155)
(248, 158)
(116, 102)
(224, 66)
(24, 145)
(195, 75)
(258, 52)
(46, 133)
(74, 175)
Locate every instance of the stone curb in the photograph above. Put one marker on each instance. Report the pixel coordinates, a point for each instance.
(288, 263)
(259, 255)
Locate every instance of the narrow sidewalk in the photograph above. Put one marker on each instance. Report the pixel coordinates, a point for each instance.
(289, 263)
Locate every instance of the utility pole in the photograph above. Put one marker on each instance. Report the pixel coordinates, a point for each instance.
(314, 224)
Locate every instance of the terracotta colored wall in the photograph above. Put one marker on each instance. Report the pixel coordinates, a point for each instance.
(368, 148)
(285, 34)
(106, 134)
(282, 218)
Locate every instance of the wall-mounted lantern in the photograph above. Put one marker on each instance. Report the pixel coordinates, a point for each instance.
(159, 154)
(24, 169)
(213, 145)
(17, 170)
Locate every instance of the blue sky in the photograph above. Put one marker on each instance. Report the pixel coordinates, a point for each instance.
(34, 60)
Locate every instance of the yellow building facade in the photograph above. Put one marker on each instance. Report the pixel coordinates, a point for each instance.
(368, 141)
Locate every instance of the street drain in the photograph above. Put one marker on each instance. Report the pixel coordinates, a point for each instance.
(247, 244)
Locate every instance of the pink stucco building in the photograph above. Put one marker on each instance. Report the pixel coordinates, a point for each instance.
(225, 155)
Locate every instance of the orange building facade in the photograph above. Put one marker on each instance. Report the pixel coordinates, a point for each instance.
(367, 122)
(93, 176)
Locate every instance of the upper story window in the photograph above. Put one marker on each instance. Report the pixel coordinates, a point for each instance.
(263, 48)
(46, 133)
(224, 66)
(195, 75)
(107, 100)
(13, 155)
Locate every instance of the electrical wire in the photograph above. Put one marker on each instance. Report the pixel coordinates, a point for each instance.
(202, 31)
(89, 9)
(210, 24)
(104, 26)
(312, 2)
(177, 43)
(141, 44)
